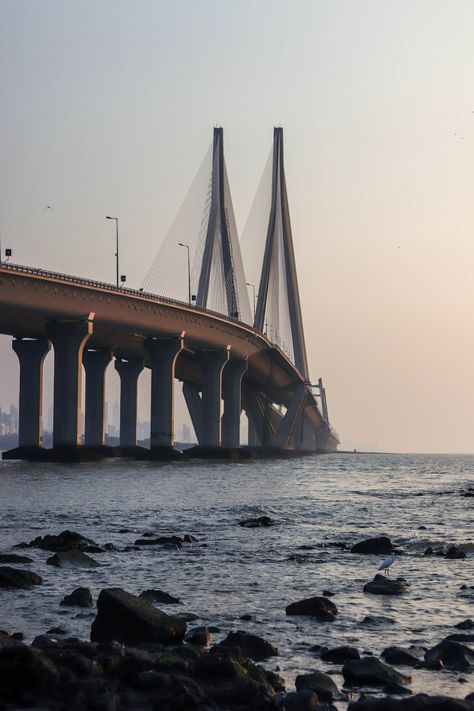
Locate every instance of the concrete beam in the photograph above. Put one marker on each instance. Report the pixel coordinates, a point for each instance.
(31, 355)
(95, 364)
(129, 371)
(163, 353)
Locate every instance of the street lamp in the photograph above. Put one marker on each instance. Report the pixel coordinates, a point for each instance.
(117, 252)
(254, 299)
(180, 244)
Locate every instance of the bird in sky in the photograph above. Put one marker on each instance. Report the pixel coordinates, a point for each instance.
(385, 564)
(48, 207)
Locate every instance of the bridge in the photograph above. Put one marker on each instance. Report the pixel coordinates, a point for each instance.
(228, 359)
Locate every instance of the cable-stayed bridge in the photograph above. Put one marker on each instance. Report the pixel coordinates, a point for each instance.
(192, 320)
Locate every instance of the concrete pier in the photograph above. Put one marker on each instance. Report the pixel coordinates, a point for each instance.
(31, 355)
(212, 362)
(129, 371)
(232, 395)
(163, 353)
(95, 364)
(69, 339)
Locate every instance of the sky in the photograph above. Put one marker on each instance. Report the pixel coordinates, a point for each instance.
(108, 108)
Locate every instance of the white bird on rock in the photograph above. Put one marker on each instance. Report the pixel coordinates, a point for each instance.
(385, 564)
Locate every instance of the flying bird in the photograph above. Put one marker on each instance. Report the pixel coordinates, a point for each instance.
(48, 207)
(385, 564)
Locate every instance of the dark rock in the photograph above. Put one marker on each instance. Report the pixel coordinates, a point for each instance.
(261, 521)
(376, 620)
(242, 694)
(382, 585)
(189, 617)
(420, 702)
(455, 553)
(465, 625)
(304, 700)
(339, 655)
(320, 683)
(428, 551)
(421, 528)
(250, 644)
(451, 655)
(65, 541)
(80, 597)
(72, 559)
(328, 593)
(188, 538)
(246, 618)
(201, 636)
(375, 546)
(398, 655)
(165, 541)
(220, 665)
(459, 637)
(130, 620)
(372, 672)
(14, 578)
(26, 675)
(125, 530)
(319, 607)
(56, 630)
(160, 596)
(13, 558)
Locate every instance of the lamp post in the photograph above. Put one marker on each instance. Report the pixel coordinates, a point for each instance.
(117, 245)
(254, 299)
(180, 244)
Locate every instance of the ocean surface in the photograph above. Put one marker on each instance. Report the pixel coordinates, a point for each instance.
(317, 502)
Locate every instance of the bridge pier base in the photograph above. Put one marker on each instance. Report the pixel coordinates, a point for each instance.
(232, 396)
(129, 371)
(95, 364)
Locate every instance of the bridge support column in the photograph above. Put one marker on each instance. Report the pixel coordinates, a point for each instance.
(163, 353)
(95, 364)
(212, 364)
(69, 339)
(232, 395)
(128, 370)
(31, 355)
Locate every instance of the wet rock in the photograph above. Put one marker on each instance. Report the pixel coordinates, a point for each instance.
(246, 618)
(125, 530)
(188, 538)
(72, 559)
(399, 655)
(328, 593)
(56, 630)
(189, 617)
(80, 597)
(376, 620)
(304, 700)
(242, 694)
(381, 585)
(339, 655)
(250, 645)
(373, 546)
(450, 655)
(371, 672)
(14, 578)
(319, 607)
(159, 596)
(420, 702)
(260, 522)
(130, 620)
(165, 541)
(465, 625)
(201, 636)
(428, 551)
(421, 528)
(455, 553)
(26, 675)
(65, 541)
(221, 664)
(320, 683)
(13, 558)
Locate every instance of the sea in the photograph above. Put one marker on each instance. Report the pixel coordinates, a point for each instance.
(321, 505)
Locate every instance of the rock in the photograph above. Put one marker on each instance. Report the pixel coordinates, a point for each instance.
(376, 620)
(14, 578)
(261, 521)
(421, 528)
(241, 694)
(130, 620)
(13, 558)
(319, 607)
(328, 593)
(451, 655)
(73, 558)
(250, 644)
(65, 541)
(428, 551)
(80, 597)
(420, 702)
(373, 546)
(56, 630)
(465, 625)
(159, 596)
(304, 700)
(382, 585)
(26, 676)
(221, 664)
(371, 672)
(458, 637)
(398, 655)
(339, 655)
(201, 636)
(454, 553)
(320, 683)
(165, 541)
(188, 538)
(246, 618)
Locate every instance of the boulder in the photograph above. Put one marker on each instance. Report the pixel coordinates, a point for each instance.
(304, 700)
(320, 683)
(72, 559)
(381, 585)
(420, 702)
(200, 636)
(320, 607)
(369, 671)
(339, 655)
(465, 625)
(128, 619)
(250, 645)
(450, 655)
(80, 597)
(455, 553)
(241, 694)
(13, 558)
(65, 541)
(26, 675)
(260, 522)
(165, 541)
(376, 620)
(159, 596)
(14, 578)
(398, 655)
(373, 546)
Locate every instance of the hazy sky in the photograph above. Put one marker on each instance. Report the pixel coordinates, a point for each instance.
(107, 107)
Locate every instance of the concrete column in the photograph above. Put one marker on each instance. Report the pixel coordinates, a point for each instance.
(31, 354)
(128, 370)
(163, 353)
(69, 339)
(95, 364)
(212, 364)
(232, 395)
